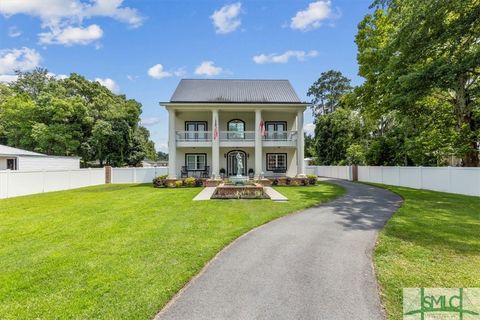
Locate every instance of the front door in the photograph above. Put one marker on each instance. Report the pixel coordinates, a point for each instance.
(232, 162)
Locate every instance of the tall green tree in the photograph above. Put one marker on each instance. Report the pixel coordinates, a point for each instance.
(410, 51)
(327, 91)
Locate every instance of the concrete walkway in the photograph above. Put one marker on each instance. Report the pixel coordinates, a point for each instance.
(316, 264)
(274, 194)
(205, 194)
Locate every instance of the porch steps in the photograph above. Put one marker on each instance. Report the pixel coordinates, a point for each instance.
(274, 194)
(205, 194)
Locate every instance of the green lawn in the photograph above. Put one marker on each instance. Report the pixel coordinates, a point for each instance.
(119, 251)
(432, 241)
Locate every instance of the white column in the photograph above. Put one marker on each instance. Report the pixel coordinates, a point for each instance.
(172, 145)
(258, 144)
(215, 146)
(300, 150)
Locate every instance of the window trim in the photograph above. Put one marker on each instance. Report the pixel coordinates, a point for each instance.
(277, 168)
(195, 154)
(236, 134)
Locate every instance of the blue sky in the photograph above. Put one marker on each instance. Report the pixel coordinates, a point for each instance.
(143, 48)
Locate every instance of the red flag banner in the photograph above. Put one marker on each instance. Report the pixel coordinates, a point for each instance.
(262, 128)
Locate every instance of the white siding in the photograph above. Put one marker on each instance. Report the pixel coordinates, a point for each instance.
(26, 163)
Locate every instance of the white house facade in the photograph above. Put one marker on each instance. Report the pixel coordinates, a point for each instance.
(24, 160)
(213, 121)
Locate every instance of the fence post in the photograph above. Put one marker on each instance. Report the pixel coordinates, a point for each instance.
(108, 174)
(449, 179)
(134, 175)
(421, 177)
(354, 172)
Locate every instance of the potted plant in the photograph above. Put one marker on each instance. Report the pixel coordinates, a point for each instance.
(222, 172)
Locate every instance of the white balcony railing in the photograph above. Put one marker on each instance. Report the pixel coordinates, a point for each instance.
(194, 136)
(237, 135)
(206, 136)
(280, 136)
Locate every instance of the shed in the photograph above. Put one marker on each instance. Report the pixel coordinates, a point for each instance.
(24, 160)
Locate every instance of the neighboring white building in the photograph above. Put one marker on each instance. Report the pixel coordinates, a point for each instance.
(211, 121)
(18, 159)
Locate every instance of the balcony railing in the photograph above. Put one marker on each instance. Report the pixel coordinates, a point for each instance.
(280, 136)
(237, 135)
(194, 136)
(206, 136)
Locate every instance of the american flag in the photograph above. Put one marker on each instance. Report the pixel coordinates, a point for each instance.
(215, 131)
(262, 128)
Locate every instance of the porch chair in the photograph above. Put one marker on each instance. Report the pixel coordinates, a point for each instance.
(206, 172)
(184, 172)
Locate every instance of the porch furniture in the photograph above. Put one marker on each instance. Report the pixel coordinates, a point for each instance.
(184, 172)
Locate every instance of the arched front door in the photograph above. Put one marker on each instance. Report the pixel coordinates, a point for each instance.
(232, 162)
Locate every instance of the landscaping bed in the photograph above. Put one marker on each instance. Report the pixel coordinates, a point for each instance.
(119, 251)
(433, 240)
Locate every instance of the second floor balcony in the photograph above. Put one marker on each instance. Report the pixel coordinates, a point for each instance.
(234, 138)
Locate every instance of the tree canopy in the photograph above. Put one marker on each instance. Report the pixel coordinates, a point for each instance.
(419, 103)
(72, 116)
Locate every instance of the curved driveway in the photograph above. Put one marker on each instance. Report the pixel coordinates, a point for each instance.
(316, 264)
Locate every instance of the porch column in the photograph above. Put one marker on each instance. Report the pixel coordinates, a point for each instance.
(172, 145)
(300, 150)
(258, 143)
(215, 145)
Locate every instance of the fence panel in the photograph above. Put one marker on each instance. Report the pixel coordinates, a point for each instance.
(19, 183)
(137, 175)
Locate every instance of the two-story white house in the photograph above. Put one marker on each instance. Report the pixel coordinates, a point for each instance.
(211, 121)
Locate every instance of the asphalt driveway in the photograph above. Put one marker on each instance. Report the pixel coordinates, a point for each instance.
(316, 264)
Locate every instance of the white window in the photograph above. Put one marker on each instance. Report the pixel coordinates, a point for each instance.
(276, 162)
(196, 161)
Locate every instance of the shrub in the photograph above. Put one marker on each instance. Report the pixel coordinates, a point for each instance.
(275, 182)
(190, 182)
(198, 182)
(288, 181)
(160, 181)
(312, 179)
(178, 183)
(294, 183)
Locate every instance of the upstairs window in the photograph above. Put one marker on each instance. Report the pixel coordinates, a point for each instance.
(236, 129)
(196, 130)
(276, 130)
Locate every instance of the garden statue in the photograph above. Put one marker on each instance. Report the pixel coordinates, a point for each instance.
(239, 165)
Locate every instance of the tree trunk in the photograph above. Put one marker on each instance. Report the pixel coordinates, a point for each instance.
(463, 111)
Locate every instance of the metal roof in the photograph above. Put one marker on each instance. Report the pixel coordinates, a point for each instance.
(234, 91)
(6, 151)
(10, 151)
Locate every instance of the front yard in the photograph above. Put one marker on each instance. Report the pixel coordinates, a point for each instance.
(119, 251)
(432, 241)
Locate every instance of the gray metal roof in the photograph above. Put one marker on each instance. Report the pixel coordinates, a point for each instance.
(234, 91)
(10, 151)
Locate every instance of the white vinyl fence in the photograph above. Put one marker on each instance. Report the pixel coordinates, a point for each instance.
(339, 172)
(19, 183)
(445, 179)
(137, 175)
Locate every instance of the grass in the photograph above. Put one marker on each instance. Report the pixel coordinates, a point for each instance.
(432, 241)
(119, 251)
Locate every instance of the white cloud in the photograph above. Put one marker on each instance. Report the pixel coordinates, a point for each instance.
(284, 57)
(8, 77)
(161, 147)
(57, 76)
(208, 68)
(14, 32)
(64, 18)
(158, 72)
(150, 121)
(23, 59)
(309, 129)
(226, 19)
(312, 17)
(131, 77)
(71, 35)
(109, 84)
